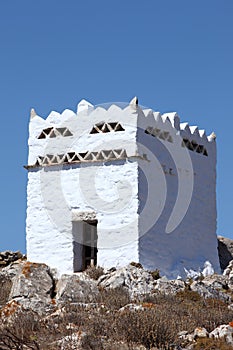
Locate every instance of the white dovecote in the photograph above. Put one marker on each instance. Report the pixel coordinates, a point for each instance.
(117, 183)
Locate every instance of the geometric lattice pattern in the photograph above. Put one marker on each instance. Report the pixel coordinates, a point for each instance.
(163, 135)
(54, 132)
(73, 157)
(194, 146)
(106, 127)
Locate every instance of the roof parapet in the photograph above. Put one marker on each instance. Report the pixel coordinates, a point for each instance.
(32, 113)
(84, 106)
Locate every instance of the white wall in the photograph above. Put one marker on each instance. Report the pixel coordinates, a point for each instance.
(182, 204)
(108, 189)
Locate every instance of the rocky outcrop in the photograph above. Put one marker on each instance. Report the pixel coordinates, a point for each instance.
(215, 286)
(32, 285)
(8, 257)
(225, 251)
(224, 331)
(78, 288)
(73, 301)
(136, 280)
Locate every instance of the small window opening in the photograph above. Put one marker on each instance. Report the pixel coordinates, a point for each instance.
(84, 244)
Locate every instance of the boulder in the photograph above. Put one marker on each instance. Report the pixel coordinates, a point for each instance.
(228, 273)
(224, 331)
(76, 288)
(136, 280)
(225, 251)
(213, 286)
(200, 332)
(8, 257)
(32, 285)
(165, 286)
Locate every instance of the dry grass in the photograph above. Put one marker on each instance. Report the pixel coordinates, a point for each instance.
(94, 272)
(156, 325)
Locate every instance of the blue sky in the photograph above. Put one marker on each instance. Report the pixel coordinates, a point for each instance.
(174, 55)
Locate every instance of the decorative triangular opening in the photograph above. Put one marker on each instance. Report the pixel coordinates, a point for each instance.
(60, 157)
(199, 149)
(47, 131)
(53, 134)
(112, 125)
(105, 128)
(190, 146)
(61, 131)
(94, 155)
(100, 156)
(82, 155)
(76, 158)
(205, 152)
(119, 127)
(161, 136)
(42, 135)
(67, 132)
(95, 130)
(106, 153)
(49, 156)
(41, 159)
(71, 155)
(46, 161)
(166, 134)
(169, 139)
(111, 155)
(156, 132)
(55, 160)
(194, 145)
(117, 152)
(149, 130)
(123, 154)
(37, 163)
(88, 156)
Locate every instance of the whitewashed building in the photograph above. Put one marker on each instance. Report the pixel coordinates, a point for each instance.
(116, 183)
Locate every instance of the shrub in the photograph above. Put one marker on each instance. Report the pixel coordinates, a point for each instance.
(155, 274)
(94, 272)
(136, 264)
(211, 344)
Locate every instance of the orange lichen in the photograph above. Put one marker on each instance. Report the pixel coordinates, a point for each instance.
(26, 270)
(9, 309)
(231, 324)
(148, 305)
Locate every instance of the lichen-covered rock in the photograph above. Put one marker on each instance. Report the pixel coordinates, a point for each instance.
(200, 332)
(76, 288)
(32, 285)
(224, 331)
(215, 281)
(8, 257)
(136, 280)
(214, 286)
(165, 286)
(225, 251)
(228, 273)
(5, 289)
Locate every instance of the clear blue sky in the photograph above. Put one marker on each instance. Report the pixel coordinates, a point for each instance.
(174, 55)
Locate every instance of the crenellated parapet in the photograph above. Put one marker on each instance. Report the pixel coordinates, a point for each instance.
(115, 123)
